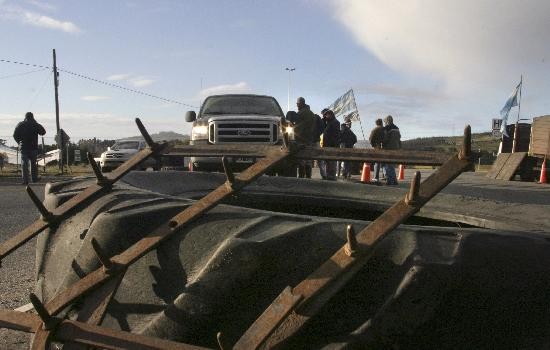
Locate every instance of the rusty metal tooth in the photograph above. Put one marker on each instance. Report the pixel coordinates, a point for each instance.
(219, 338)
(412, 196)
(351, 246)
(466, 150)
(46, 214)
(101, 255)
(47, 319)
(228, 172)
(148, 139)
(101, 180)
(77, 269)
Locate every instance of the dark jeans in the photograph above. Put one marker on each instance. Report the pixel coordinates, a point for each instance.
(377, 171)
(391, 178)
(26, 158)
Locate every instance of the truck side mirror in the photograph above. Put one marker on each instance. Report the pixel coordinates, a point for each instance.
(190, 116)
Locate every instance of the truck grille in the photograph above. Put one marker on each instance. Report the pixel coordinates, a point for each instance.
(242, 131)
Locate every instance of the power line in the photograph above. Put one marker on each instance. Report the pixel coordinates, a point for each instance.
(25, 64)
(125, 88)
(82, 76)
(20, 74)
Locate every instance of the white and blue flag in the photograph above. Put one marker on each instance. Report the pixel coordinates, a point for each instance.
(511, 102)
(345, 106)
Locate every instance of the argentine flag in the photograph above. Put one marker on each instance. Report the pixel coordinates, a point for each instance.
(511, 102)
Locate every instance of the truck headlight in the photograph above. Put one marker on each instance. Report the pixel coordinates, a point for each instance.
(199, 132)
(290, 131)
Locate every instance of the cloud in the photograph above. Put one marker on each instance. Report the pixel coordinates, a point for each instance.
(118, 77)
(94, 98)
(141, 82)
(240, 87)
(44, 6)
(458, 42)
(15, 13)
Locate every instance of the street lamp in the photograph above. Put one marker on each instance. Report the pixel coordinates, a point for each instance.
(288, 102)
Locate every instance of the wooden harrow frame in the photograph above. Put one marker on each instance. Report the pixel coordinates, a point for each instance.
(288, 312)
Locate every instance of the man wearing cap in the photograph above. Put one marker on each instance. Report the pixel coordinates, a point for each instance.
(26, 135)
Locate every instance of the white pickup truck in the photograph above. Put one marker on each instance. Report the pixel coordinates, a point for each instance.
(228, 119)
(121, 151)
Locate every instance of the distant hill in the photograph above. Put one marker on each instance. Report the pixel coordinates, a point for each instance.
(481, 142)
(163, 136)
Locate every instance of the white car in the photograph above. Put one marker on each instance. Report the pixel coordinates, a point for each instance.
(121, 151)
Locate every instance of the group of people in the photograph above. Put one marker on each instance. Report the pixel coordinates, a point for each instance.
(326, 131)
(385, 136)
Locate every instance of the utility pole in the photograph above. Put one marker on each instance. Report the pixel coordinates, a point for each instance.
(58, 128)
(288, 101)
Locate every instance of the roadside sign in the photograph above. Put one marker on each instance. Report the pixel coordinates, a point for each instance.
(77, 155)
(497, 134)
(497, 123)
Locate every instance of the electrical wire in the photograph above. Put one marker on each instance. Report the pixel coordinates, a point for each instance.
(39, 91)
(124, 88)
(82, 76)
(20, 74)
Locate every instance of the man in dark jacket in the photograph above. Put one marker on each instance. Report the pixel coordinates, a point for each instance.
(304, 130)
(392, 140)
(376, 139)
(347, 140)
(26, 135)
(330, 138)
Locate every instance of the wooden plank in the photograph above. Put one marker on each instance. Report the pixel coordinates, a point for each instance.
(512, 165)
(498, 165)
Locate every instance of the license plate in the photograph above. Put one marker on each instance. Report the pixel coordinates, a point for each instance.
(244, 160)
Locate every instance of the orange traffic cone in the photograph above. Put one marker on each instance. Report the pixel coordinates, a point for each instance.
(401, 172)
(365, 175)
(543, 172)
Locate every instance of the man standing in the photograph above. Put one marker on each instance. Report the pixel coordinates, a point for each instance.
(392, 140)
(330, 138)
(304, 130)
(26, 134)
(347, 140)
(376, 139)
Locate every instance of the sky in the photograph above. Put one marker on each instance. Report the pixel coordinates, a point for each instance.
(434, 65)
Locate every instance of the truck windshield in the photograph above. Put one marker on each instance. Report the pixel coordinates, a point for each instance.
(261, 105)
(126, 145)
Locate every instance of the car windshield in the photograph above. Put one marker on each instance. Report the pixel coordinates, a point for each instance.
(261, 105)
(125, 145)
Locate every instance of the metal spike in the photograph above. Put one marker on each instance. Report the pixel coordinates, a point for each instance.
(351, 246)
(101, 255)
(101, 180)
(466, 151)
(145, 134)
(47, 319)
(220, 340)
(227, 169)
(46, 214)
(412, 196)
(77, 269)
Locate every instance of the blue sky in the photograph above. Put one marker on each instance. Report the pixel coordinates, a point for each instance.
(435, 65)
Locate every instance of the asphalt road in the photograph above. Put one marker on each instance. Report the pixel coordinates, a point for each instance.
(17, 271)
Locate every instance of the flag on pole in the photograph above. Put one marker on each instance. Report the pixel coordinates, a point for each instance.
(345, 106)
(511, 102)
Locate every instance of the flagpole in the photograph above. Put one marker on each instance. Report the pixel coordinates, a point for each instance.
(516, 132)
(360, 124)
